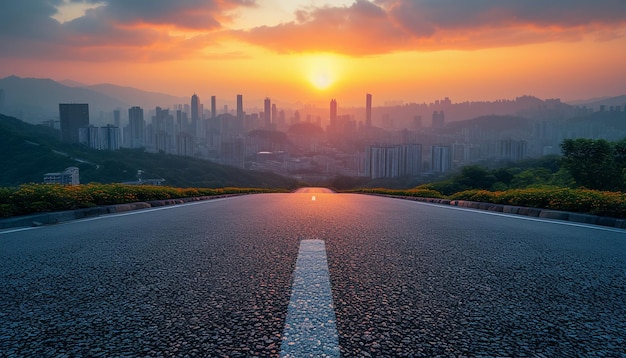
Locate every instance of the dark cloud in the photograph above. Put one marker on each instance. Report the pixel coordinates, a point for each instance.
(399, 25)
(28, 18)
(129, 29)
(122, 27)
(455, 14)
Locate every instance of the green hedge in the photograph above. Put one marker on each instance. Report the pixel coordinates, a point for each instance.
(34, 198)
(595, 202)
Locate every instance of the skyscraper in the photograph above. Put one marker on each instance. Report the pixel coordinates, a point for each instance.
(267, 112)
(274, 113)
(333, 112)
(195, 113)
(240, 107)
(213, 107)
(368, 110)
(73, 116)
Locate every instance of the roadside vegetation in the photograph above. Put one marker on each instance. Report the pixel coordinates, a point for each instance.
(590, 177)
(35, 198)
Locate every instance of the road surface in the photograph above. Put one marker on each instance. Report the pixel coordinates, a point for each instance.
(352, 275)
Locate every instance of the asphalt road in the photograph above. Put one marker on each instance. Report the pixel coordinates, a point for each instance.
(408, 279)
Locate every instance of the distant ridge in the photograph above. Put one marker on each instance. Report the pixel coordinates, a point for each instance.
(138, 97)
(601, 101)
(29, 151)
(36, 100)
(71, 83)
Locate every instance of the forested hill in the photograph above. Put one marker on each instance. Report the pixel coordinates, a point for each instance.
(29, 151)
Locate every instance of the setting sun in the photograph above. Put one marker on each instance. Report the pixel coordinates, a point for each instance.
(321, 80)
(322, 70)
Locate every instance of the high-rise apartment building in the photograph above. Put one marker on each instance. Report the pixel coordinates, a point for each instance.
(213, 107)
(393, 161)
(513, 150)
(73, 116)
(117, 117)
(137, 127)
(441, 159)
(100, 138)
(368, 110)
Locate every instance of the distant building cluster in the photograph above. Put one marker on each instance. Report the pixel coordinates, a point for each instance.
(75, 128)
(314, 143)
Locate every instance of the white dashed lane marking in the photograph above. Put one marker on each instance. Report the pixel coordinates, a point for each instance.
(310, 329)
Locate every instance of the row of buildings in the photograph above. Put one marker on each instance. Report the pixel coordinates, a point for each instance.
(344, 149)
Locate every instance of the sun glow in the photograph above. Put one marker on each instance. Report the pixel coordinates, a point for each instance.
(322, 70)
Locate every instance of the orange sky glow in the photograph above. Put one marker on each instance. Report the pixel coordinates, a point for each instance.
(312, 51)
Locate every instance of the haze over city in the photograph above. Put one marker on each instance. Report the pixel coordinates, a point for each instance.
(312, 51)
(312, 178)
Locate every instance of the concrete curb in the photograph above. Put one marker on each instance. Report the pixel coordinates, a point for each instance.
(522, 210)
(63, 216)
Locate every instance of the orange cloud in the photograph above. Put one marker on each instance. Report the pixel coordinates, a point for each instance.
(159, 30)
(386, 26)
(144, 30)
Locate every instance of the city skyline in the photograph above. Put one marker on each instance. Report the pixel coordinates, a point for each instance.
(310, 51)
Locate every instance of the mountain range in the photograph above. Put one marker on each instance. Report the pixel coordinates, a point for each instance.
(35, 100)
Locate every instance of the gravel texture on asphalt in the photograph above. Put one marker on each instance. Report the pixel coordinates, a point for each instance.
(408, 280)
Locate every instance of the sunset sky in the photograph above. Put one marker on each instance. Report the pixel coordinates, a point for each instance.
(311, 51)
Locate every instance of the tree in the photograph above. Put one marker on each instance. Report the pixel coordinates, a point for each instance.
(475, 177)
(592, 164)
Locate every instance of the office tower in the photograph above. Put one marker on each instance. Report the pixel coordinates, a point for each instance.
(333, 113)
(267, 114)
(368, 110)
(73, 116)
(240, 113)
(137, 127)
(213, 107)
(195, 113)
